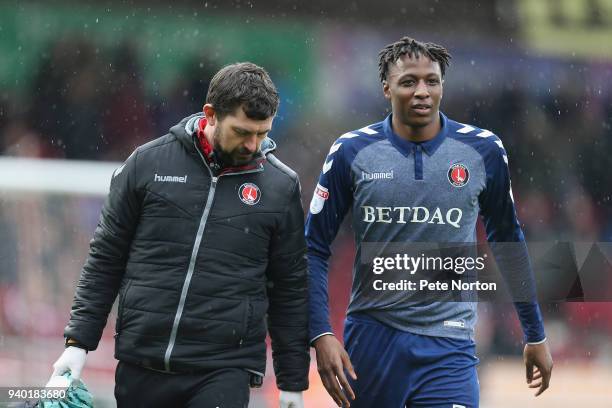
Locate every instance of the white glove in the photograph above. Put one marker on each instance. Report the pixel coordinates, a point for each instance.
(58, 381)
(290, 399)
(73, 360)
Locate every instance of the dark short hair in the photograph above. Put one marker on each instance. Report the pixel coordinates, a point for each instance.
(394, 51)
(243, 84)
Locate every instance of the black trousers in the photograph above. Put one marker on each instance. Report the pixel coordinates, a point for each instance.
(137, 387)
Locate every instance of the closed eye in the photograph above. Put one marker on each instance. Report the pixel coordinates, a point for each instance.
(247, 133)
(242, 132)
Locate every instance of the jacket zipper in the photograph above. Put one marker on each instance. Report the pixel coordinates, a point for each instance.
(194, 255)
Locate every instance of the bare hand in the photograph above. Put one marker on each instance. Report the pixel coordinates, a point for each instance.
(538, 356)
(332, 360)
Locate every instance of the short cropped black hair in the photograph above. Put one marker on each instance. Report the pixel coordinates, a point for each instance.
(243, 84)
(394, 51)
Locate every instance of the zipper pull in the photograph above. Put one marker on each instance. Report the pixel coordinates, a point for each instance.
(214, 180)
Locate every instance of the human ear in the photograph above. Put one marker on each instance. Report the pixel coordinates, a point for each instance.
(386, 90)
(210, 114)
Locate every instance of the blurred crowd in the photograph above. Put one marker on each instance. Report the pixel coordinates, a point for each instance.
(87, 103)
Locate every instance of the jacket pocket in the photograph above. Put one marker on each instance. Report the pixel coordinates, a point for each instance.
(122, 296)
(257, 325)
(246, 317)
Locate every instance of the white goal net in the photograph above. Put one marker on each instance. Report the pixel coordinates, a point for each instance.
(48, 211)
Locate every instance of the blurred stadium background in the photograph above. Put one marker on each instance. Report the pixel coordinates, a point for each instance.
(83, 83)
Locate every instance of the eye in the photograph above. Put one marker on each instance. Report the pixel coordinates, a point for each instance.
(433, 81)
(407, 82)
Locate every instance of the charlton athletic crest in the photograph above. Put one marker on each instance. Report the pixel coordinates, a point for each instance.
(458, 175)
(249, 193)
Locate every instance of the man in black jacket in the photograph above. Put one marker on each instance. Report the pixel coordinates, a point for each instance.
(201, 236)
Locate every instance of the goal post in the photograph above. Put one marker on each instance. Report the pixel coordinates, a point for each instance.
(74, 177)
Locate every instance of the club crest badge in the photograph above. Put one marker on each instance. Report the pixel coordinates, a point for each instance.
(458, 175)
(249, 193)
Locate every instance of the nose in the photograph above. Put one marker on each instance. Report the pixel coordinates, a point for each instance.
(251, 144)
(421, 90)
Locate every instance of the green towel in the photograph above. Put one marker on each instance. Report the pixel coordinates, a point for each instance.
(77, 396)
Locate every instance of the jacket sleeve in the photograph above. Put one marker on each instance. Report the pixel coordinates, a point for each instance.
(507, 243)
(104, 267)
(288, 297)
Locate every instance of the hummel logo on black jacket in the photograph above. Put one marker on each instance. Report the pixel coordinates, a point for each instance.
(199, 261)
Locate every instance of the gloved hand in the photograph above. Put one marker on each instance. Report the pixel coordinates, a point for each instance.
(58, 381)
(290, 399)
(73, 360)
(77, 394)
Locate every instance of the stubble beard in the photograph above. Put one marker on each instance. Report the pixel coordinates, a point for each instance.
(226, 158)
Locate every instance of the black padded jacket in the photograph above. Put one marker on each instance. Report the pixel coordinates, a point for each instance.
(201, 262)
